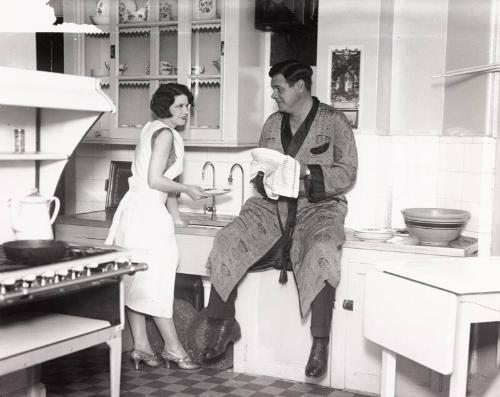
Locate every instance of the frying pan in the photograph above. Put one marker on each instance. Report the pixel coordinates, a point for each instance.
(35, 252)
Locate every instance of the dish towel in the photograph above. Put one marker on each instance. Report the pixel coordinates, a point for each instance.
(281, 172)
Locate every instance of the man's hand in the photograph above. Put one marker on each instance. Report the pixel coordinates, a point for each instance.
(304, 171)
(258, 182)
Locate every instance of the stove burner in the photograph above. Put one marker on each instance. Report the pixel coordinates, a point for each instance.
(73, 252)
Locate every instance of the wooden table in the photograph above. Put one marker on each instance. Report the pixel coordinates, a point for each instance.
(424, 310)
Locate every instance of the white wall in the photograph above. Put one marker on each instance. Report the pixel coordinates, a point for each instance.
(419, 50)
(18, 50)
(403, 43)
(472, 38)
(351, 23)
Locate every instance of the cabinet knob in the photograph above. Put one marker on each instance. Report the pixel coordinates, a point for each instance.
(348, 304)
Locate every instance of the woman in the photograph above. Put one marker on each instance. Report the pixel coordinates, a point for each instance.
(143, 221)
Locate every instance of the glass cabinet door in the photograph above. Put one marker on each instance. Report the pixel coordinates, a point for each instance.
(96, 62)
(168, 67)
(206, 63)
(133, 70)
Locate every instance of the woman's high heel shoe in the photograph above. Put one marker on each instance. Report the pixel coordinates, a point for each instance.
(182, 362)
(149, 359)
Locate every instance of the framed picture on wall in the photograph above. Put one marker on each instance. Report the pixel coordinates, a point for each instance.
(352, 116)
(345, 77)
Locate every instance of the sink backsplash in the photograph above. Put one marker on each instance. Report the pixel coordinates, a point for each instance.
(395, 172)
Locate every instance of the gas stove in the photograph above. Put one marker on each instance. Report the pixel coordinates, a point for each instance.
(81, 267)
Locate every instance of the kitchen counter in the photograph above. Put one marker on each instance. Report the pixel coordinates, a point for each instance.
(103, 219)
(463, 246)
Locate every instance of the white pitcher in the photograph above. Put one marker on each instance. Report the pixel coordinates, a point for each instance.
(30, 217)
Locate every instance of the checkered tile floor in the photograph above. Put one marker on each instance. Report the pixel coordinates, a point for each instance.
(86, 374)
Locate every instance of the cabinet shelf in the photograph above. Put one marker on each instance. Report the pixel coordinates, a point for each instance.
(135, 31)
(102, 35)
(172, 77)
(209, 24)
(32, 156)
(202, 81)
(140, 78)
(134, 82)
(124, 26)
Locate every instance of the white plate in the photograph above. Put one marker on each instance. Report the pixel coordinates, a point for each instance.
(216, 192)
(374, 234)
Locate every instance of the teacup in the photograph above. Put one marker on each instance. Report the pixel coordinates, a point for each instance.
(198, 69)
(165, 67)
(121, 68)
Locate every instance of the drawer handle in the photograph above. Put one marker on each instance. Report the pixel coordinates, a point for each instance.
(348, 304)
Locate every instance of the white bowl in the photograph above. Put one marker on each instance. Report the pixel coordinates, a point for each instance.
(99, 20)
(433, 233)
(435, 226)
(447, 215)
(198, 69)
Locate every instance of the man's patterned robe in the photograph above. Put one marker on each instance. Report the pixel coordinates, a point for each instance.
(329, 150)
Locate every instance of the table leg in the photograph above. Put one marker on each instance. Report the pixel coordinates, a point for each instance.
(35, 388)
(207, 285)
(473, 353)
(458, 379)
(115, 362)
(388, 376)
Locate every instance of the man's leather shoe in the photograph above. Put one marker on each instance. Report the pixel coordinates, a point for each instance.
(318, 358)
(221, 333)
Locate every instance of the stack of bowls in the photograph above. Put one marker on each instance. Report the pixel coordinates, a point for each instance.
(435, 226)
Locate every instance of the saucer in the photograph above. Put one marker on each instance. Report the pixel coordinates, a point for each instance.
(374, 234)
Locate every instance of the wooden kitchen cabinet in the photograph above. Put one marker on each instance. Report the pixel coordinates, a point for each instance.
(358, 367)
(268, 331)
(219, 58)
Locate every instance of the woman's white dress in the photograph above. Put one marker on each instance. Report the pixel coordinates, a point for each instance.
(143, 221)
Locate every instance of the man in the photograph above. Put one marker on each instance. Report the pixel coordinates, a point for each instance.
(304, 235)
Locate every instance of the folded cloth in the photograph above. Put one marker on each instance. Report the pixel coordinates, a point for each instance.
(281, 172)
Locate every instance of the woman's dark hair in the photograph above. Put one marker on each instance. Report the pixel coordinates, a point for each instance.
(293, 71)
(164, 97)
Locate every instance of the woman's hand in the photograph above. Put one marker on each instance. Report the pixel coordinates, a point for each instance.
(196, 192)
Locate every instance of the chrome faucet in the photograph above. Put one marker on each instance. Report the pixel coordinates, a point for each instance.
(209, 208)
(230, 180)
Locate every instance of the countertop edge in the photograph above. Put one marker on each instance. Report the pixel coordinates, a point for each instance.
(351, 242)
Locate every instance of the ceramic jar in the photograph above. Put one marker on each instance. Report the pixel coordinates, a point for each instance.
(102, 8)
(168, 10)
(127, 9)
(204, 9)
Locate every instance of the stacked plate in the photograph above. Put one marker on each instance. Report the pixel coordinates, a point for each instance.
(374, 234)
(435, 226)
